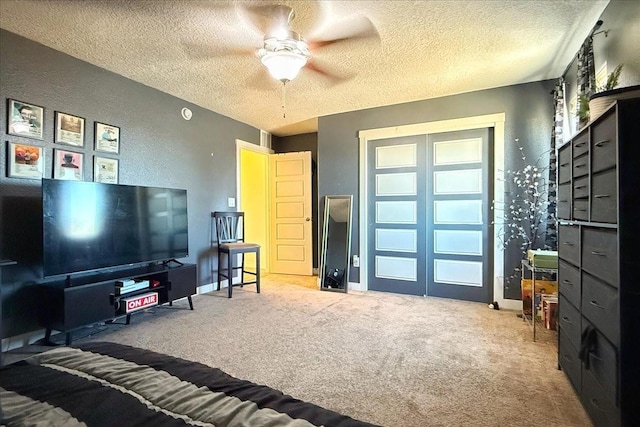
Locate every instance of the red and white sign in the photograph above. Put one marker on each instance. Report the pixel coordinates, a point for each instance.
(140, 301)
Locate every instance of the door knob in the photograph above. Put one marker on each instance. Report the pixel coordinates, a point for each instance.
(307, 219)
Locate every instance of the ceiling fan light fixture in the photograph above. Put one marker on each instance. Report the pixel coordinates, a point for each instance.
(283, 65)
(284, 55)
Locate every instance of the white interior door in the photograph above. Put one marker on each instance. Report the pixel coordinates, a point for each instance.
(290, 207)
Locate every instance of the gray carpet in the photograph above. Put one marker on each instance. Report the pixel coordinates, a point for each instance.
(387, 359)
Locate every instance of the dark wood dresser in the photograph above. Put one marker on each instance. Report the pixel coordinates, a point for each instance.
(599, 264)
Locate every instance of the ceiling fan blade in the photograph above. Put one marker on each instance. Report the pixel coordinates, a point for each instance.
(334, 77)
(351, 28)
(268, 18)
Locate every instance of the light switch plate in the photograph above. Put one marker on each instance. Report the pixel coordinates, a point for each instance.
(356, 261)
(232, 202)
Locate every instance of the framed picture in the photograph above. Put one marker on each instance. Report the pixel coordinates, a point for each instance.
(69, 129)
(25, 161)
(24, 119)
(67, 165)
(105, 170)
(107, 138)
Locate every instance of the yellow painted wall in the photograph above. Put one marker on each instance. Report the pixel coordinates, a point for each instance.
(254, 198)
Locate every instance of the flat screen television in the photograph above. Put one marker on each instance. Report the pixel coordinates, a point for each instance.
(90, 226)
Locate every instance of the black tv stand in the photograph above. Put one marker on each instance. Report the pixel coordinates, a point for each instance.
(167, 262)
(72, 303)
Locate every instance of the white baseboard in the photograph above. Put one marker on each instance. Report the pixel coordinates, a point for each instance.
(210, 287)
(356, 286)
(204, 289)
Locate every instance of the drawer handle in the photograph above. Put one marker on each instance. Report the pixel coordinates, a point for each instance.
(566, 357)
(594, 402)
(577, 187)
(563, 201)
(601, 196)
(567, 243)
(598, 253)
(566, 320)
(580, 144)
(580, 166)
(562, 165)
(595, 304)
(601, 143)
(567, 282)
(580, 210)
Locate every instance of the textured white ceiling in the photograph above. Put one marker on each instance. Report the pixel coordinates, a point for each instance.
(426, 49)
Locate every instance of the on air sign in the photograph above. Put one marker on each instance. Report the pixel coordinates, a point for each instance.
(140, 301)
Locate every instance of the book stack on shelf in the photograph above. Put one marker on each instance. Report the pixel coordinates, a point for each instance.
(130, 285)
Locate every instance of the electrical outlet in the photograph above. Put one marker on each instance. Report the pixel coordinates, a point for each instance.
(231, 202)
(356, 261)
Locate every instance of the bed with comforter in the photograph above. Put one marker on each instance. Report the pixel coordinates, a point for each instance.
(107, 384)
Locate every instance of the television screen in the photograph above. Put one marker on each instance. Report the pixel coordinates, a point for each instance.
(89, 226)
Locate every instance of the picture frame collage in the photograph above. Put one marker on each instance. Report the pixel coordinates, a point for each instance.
(27, 161)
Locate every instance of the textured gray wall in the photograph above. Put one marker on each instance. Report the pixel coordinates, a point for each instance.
(621, 19)
(158, 148)
(528, 110)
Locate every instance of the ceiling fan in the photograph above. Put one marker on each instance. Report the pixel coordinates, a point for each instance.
(285, 52)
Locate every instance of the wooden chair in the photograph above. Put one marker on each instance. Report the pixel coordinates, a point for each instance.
(230, 241)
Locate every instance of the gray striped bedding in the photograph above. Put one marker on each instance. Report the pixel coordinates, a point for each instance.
(107, 384)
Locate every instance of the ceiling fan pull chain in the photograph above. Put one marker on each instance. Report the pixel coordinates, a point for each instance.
(284, 99)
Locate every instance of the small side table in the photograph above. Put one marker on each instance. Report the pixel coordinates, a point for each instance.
(534, 271)
(3, 263)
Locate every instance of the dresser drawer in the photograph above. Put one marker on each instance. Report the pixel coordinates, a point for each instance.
(603, 143)
(569, 243)
(598, 404)
(581, 209)
(603, 364)
(564, 201)
(564, 164)
(580, 144)
(600, 306)
(600, 254)
(569, 282)
(605, 201)
(569, 361)
(569, 321)
(581, 188)
(581, 166)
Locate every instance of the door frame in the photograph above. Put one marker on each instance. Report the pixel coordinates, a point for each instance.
(244, 145)
(495, 121)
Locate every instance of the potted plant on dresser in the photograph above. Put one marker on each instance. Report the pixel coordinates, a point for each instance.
(608, 93)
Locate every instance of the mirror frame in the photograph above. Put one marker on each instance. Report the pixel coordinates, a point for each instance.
(325, 244)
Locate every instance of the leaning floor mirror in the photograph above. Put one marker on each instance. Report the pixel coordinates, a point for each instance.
(336, 243)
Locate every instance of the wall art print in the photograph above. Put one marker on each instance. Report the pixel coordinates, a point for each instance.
(68, 165)
(69, 129)
(107, 138)
(105, 170)
(25, 161)
(24, 119)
